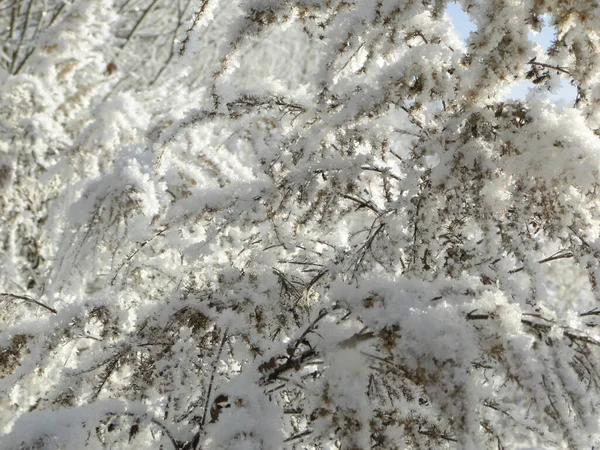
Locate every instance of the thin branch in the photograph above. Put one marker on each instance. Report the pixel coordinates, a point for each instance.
(558, 255)
(212, 378)
(298, 436)
(366, 246)
(153, 420)
(195, 20)
(138, 23)
(550, 66)
(542, 328)
(22, 37)
(472, 316)
(398, 370)
(308, 329)
(591, 312)
(38, 28)
(173, 40)
(350, 59)
(166, 431)
(292, 363)
(356, 339)
(135, 252)
(362, 203)
(585, 243)
(384, 172)
(28, 299)
(432, 435)
(110, 369)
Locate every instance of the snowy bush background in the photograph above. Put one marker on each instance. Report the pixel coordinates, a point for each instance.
(299, 224)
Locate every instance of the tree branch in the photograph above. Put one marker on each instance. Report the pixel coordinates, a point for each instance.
(28, 299)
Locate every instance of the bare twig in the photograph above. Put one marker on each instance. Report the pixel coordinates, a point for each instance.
(135, 252)
(308, 329)
(472, 316)
(362, 203)
(366, 246)
(591, 312)
(292, 360)
(195, 20)
(138, 23)
(356, 339)
(562, 254)
(585, 243)
(542, 328)
(163, 427)
(28, 299)
(173, 40)
(22, 37)
(298, 436)
(350, 59)
(153, 420)
(212, 378)
(550, 66)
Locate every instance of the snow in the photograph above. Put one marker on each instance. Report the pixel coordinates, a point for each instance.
(298, 224)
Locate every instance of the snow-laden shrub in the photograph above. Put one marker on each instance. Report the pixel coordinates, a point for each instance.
(376, 250)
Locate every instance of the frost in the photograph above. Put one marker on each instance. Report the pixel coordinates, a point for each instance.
(300, 224)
